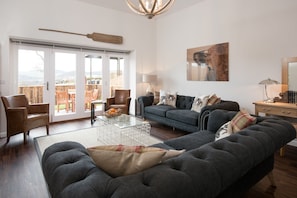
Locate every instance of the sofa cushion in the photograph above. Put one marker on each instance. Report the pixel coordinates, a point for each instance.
(159, 110)
(241, 120)
(171, 99)
(167, 98)
(183, 115)
(199, 102)
(118, 160)
(184, 102)
(213, 99)
(224, 131)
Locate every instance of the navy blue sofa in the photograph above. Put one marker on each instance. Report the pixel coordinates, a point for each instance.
(181, 116)
(224, 168)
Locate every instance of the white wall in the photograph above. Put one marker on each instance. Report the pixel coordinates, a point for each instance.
(260, 34)
(23, 18)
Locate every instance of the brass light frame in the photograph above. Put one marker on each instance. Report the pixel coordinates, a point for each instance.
(149, 8)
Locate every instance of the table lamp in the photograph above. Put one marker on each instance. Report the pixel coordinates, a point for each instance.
(268, 82)
(147, 78)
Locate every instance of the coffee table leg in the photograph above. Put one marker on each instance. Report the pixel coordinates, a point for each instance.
(92, 113)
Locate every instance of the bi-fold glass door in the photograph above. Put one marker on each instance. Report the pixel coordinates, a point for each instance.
(67, 79)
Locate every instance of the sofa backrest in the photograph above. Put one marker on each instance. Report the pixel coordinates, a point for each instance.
(219, 117)
(184, 102)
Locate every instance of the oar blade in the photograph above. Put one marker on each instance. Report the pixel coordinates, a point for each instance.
(106, 38)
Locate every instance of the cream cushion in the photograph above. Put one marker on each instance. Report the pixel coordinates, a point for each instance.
(224, 131)
(118, 160)
(199, 102)
(167, 98)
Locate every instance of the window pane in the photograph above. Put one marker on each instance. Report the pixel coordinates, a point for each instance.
(116, 73)
(31, 74)
(65, 82)
(93, 80)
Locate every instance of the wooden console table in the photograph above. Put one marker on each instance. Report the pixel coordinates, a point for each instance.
(278, 109)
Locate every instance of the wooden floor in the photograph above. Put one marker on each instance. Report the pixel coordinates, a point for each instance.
(21, 175)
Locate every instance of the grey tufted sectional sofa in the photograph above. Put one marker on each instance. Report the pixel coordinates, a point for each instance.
(225, 168)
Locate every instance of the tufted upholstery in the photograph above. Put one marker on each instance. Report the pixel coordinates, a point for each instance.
(184, 102)
(209, 170)
(181, 116)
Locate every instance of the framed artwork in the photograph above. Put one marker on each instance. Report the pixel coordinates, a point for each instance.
(208, 63)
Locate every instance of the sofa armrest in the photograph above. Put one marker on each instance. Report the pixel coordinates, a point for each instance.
(143, 102)
(205, 111)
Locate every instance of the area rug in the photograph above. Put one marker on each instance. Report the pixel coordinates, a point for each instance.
(96, 136)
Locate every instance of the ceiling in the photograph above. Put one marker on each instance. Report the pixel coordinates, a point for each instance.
(121, 5)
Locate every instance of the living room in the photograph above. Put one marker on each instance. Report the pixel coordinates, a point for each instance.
(258, 36)
(259, 33)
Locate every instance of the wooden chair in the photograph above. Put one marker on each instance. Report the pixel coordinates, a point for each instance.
(90, 96)
(62, 98)
(22, 117)
(121, 99)
(71, 95)
(95, 94)
(88, 99)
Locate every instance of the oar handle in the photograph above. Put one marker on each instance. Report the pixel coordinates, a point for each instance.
(50, 30)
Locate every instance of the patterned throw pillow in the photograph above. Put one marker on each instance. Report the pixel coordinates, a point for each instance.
(213, 99)
(118, 160)
(224, 131)
(167, 98)
(199, 102)
(171, 99)
(241, 120)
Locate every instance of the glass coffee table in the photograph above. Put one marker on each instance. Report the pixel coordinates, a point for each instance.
(124, 129)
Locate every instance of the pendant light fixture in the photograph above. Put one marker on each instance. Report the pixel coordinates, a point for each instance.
(149, 8)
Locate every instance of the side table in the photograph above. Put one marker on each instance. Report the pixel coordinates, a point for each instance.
(93, 103)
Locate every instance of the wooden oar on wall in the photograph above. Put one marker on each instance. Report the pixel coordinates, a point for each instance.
(106, 38)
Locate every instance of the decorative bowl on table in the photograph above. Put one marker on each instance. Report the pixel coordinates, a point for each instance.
(113, 112)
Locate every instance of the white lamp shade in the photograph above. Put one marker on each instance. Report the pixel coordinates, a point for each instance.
(268, 82)
(147, 78)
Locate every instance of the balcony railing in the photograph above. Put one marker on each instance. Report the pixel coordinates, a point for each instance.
(35, 93)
